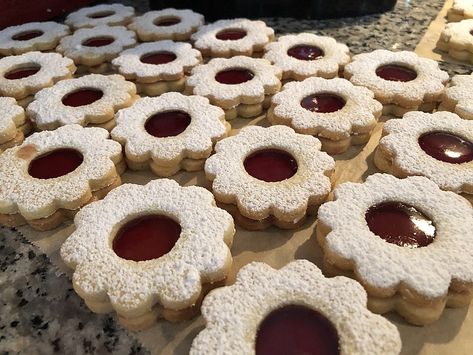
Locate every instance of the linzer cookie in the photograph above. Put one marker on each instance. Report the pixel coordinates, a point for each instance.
(158, 67)
(32, 36)
(401, 81)
(242, 86)
(170, 132)
(177, 25)
(405, 240)
(306, 54)
(458, 97)
(460, 10)
(53, 174)
(457, 40)
(294, 310)
(269, 176)
(149, 252)
(13, 123)
(228, 38)
(103, 14)
(334, 110)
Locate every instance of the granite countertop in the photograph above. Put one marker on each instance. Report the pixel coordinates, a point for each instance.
(41, 314)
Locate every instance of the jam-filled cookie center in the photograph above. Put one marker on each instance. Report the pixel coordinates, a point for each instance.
(447, 147)
(305, 52)
(231, 34)
(271, 165)
(56, 163)
(168, 124)
(98, 41)
(400, 224)
(101, 14)
(82, 97)
(156, 58)
(27, 35)
(147, 237)
(394, 72)
(167, 21)
(22, 72)
(323, 103)
(294, 330)
(234, 76)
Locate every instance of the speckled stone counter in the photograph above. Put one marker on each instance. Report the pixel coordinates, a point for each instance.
(39, 311)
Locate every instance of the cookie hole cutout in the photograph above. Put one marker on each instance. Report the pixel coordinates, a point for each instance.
(22, 72)
(167, 21)
(98, 41)
(401, 224)
(271, 165)
(82, 97)
(146, 237)
(295, 329)
(446, 147)
(27, 35)
(156, 58)
(101, 14)
(56, 163)
(323, 102)
(168, 123)
(305, 52)
(394, 72)
(234, 76)
(231, 34)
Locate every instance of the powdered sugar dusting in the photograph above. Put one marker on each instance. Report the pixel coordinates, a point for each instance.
(460, 94)
(457, 34)
(119, 15)
(12, 116)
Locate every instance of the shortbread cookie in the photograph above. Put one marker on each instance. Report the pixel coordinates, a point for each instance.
(97, 45)
(242, 86)
(460, 10)
(91, 99)
(52, 174)
(149, 251)
(458, 97)
(24, 75)
(306, 54)
(32, 36)
(334, 110)
(401, 81)
(405, 240)
(267, 176)
(228, 38)
(170, 132)
(294, 310)
(177, 25)
(13, 123)
(103, 14)
(457, 40)
(438, 146)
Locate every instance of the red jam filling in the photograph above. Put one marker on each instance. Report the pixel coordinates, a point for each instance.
(296, 330)
(25, 36)
(146, 238)
(158, 58)
(230, 34)
(82, 97)
(21, 73)
(167, 124)
(98, 41)
(447, 147)
(56, 163)
(234, 76)
(323, 103)
(393, 72)
(167, 21)
(305, 52)
(101, 14)
(400, 224)
(270, 165)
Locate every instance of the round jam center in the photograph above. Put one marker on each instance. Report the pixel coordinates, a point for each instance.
(82, 97)
(400, 224)
(167, 124)
(167, 21)
(158, 58)
(447, 147)
(56, 163)
(234, 76)
(146, 238)
(296, 330)
(230, 34)
(21, 73)
(270, 165)
(323, 103)
(396, 73)
(306, 52)
(98, 41)
(101, 14)
(24, 36)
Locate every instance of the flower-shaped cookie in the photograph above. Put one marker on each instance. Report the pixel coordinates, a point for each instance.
(13, 124)
(148, 251)
(405, 240)
(334, 110)
(457, 40)
(177, 25)
(103, 14)
(97, 45)
(26, 74)
(294, 310)
(401, 81)
(306, 54)
(228, 38)
(438, 146)
(458, 97)
(240, 85)
(460, 10)
(32, 36)
(54, 173)
(270, 176)
(91, 99)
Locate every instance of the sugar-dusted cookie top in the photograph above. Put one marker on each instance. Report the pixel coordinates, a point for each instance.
(103, 14)
(12, 116)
